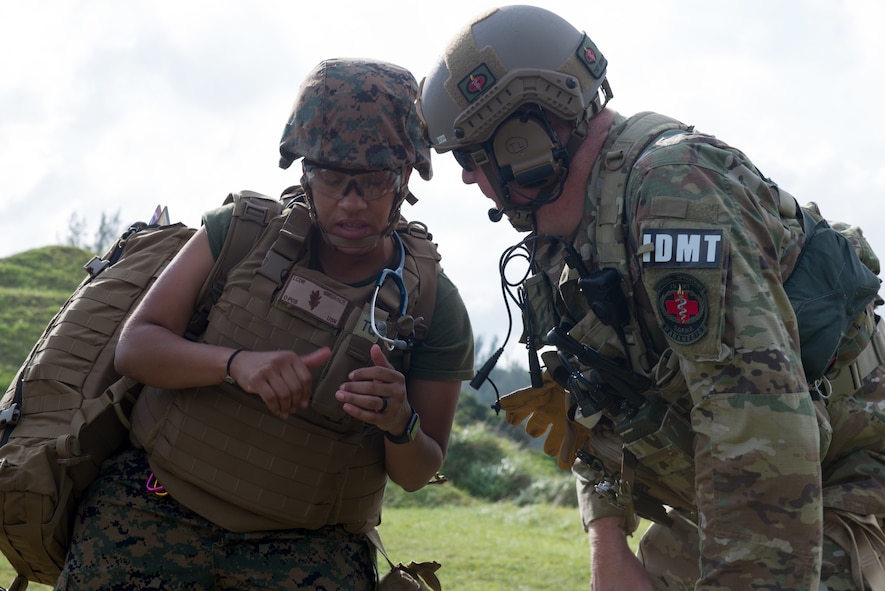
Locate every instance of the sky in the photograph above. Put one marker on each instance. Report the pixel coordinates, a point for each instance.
(115, 107)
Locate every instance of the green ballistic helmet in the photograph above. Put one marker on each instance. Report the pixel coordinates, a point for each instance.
(506, 58)
(358, 114)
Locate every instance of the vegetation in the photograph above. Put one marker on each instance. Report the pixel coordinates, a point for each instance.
(33, 286)
(505, 518)
(492, 547)
(109, 229)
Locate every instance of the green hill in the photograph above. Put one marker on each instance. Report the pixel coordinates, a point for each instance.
(33, 285)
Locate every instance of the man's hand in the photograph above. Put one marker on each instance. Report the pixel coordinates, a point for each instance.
(613, 566)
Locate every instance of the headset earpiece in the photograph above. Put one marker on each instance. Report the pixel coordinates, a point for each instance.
(526, 152)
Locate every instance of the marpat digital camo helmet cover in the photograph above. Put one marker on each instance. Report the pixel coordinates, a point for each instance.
(358, 114)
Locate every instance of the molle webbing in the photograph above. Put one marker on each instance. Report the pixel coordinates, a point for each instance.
(613, 250)
(220, 451)
(60, 414)
(618, 159)
(418, 243)
(252, 213)
(622, 149)
(66, 411)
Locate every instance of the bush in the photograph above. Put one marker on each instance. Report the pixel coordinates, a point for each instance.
(493, 469)
(432, 495)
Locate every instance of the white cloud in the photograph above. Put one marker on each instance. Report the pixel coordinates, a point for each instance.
(113, 106)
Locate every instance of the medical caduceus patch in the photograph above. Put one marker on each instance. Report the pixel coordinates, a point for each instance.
(682, 305)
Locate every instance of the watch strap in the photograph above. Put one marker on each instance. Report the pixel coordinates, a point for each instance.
(229, 378)
(411, 432)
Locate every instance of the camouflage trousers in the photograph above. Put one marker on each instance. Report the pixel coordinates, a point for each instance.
(670, 554)
(127, 538)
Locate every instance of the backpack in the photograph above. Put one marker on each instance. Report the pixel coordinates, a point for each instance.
(66, 410)
(828, 288)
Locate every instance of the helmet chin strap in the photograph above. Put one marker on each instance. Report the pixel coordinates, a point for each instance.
(360, 243)
(521, 217)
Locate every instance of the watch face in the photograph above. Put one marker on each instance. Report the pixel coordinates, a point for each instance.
(410, 433)
(413, 427)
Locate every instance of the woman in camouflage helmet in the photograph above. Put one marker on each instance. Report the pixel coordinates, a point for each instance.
(262, 448)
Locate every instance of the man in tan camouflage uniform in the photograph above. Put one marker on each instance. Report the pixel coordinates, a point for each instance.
(668, 277)
(262, 448)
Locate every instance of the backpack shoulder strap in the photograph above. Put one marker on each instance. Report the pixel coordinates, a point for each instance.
(252, 212)
(619, 154)
(617, 161)
(289, 243)
(419, 243)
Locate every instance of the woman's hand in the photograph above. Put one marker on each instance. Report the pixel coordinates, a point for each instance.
(380, 395)
(377, 395)
(282, 379)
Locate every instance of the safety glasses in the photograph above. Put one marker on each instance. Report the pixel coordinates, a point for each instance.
(337, 182)
(464, 157)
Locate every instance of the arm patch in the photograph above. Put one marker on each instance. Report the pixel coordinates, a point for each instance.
(682, 307)
(684, 271)
(682, 248)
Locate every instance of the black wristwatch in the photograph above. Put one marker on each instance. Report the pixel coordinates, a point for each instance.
(409, 434)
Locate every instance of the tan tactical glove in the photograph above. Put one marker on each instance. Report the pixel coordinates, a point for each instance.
(547, 407)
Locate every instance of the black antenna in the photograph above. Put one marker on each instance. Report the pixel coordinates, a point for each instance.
(529, 324)
(483, 374)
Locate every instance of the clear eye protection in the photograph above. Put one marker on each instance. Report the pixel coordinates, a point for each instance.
(337, 182)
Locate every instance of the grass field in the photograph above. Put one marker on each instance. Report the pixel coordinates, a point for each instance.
(493, 547)
(482, 547)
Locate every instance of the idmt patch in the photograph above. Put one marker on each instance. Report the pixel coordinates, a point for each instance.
(682, 305)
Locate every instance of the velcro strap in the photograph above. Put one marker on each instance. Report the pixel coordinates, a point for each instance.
(862, 538)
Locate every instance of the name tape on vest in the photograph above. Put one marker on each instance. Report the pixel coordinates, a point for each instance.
(683, 248)
(314, 299)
